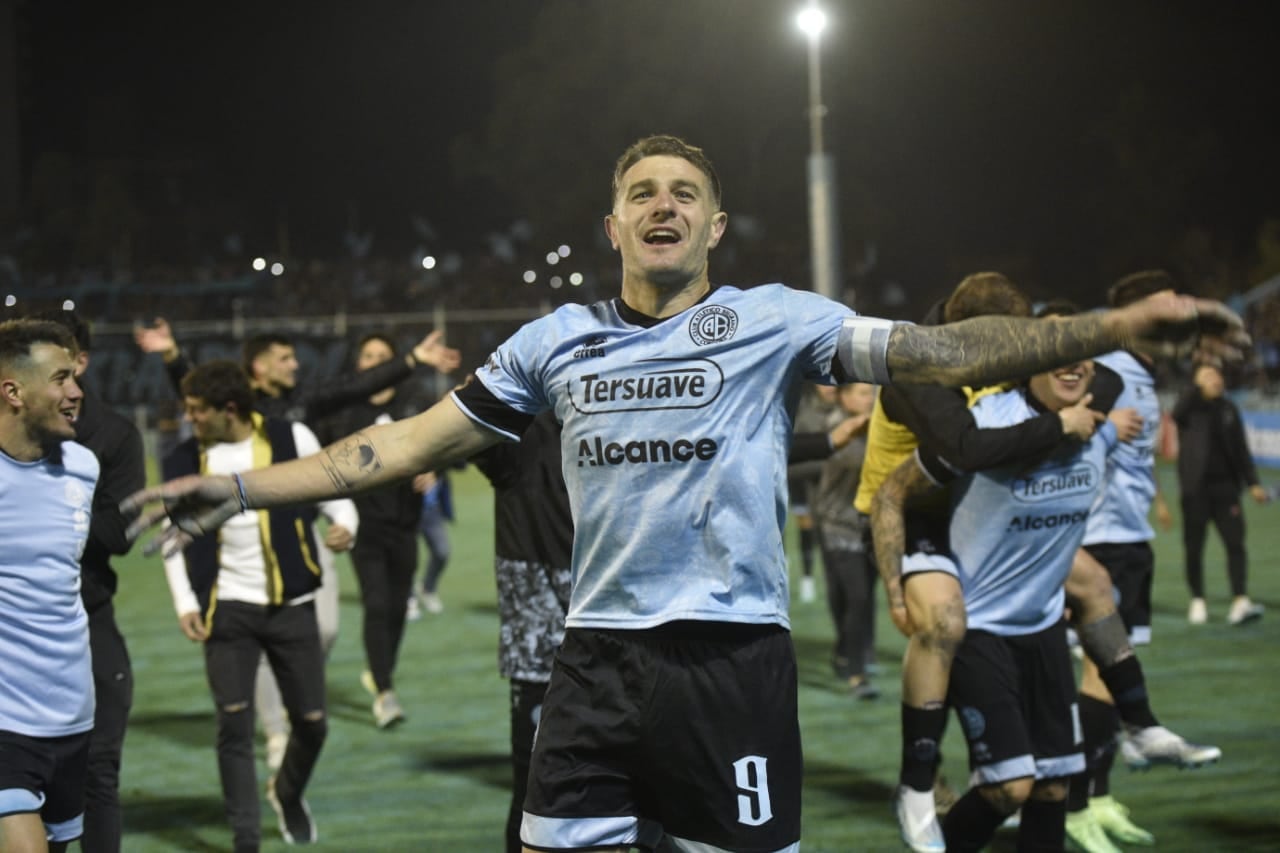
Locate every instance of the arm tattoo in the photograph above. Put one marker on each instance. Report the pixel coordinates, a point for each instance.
(351, 462)
(888, 521)
(986, 350)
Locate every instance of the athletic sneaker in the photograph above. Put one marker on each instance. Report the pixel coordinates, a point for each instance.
(387, 711)
(918, 821)
(1197, 613)
(412, 610)
(1112, 816)
(1086, 833)
(293, 816)
(1141, 748)
(432, 603)
(808, 592)
(1243, 610)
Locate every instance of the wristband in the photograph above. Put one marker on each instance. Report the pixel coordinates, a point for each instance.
(244, 499)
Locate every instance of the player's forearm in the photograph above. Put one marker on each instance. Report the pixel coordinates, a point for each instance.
(370, 458)
(986, 350)
(888, 521)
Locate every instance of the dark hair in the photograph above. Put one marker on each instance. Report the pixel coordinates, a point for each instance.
(1139, 285)
(71, 321)
(1058, 308)
(218, 383)
(258, 344)
(376, 336)
(985, 293)
(665, 146)
(17, 337)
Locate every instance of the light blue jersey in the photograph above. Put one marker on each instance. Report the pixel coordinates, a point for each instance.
(675, 443)
(1121, 514)
(46, 680)
(1015, 529)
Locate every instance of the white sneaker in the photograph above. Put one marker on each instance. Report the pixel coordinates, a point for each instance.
(387, 711)
(432, 603)
(412, 610)
(918, 821)
(808, 592)
(1197, 613)
(1141, 748)
(1243, 610)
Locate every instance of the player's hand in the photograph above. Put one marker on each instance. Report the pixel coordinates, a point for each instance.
(1079, 421)
(1128, 423)
(338, 538)
(432, 351)
(898, 609)
(157, 337)
(1169, 324)
(192, 624)
(1259, 494)
(194, 506)
(844, 431)
(423, 483)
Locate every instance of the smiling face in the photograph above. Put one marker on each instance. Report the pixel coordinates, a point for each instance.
(664, 222)
(1063, 387)
(275, 370)
(45, 394)
(210, 424)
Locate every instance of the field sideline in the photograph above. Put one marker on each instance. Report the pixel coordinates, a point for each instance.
(440, 781)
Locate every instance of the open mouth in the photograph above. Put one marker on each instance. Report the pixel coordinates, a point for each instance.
(662, 237)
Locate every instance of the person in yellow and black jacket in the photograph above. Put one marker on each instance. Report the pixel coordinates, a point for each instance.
(249, 590)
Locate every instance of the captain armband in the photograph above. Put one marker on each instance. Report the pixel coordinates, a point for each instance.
(862, 349)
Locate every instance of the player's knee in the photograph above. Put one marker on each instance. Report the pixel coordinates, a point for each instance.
(312, 727)
(1007, 797)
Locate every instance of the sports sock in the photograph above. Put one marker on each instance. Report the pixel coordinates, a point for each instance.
(1128, 686)
(922, 730)
(1043, 828)
(1099, 724)
(971, 823)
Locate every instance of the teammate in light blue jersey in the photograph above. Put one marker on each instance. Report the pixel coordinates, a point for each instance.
(671, 715)
(1119, 538)
(46, 680)
(1013, 534)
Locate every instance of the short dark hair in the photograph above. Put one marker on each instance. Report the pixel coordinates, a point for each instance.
(218, 383)
(72, 322)
(665, 146)
(985, 293)
(377, 336)
(258, 344)
(17, 337)
(1058, 308)
(1139, 285)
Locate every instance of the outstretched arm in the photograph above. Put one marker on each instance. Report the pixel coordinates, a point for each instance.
(985, 350)
(365, 460)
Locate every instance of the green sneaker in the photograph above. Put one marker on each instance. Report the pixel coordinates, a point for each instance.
(1113, 817)
(1087, 835)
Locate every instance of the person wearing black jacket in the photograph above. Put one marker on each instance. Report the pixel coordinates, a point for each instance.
(1214, 466)
(386, 555)
(272, 366)
(118, 445)
(533, 548)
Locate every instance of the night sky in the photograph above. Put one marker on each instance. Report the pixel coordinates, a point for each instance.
(966, 134)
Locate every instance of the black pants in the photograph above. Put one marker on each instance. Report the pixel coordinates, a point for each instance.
(113, 684)
(1221, 504)
(526, 707)
(384, 559)
(851, 581)
(289, 637)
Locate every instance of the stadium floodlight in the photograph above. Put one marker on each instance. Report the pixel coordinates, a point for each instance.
(575, 278)
(530, 276)
(259, 264)
(563, 251)
(428, 263)
(277, 269)
(556, 282)
(68, 305)
(10, 301)
(553, 258)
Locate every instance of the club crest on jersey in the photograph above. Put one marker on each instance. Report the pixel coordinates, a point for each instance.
(713, 324)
